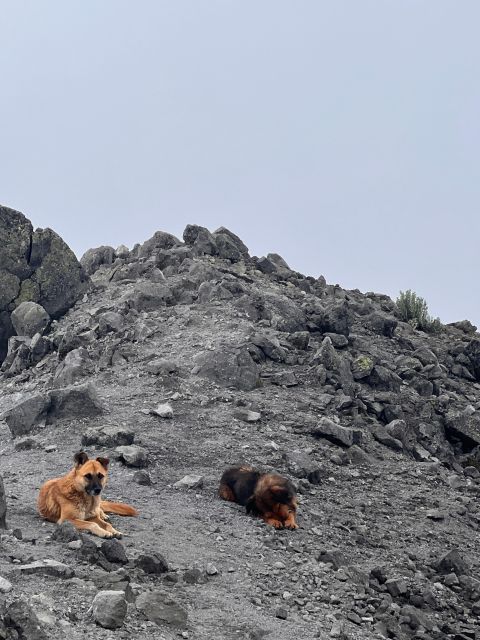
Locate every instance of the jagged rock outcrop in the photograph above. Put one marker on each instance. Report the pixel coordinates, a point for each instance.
(35, 266)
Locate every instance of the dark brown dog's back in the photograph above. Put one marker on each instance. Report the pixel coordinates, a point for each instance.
(238, 484)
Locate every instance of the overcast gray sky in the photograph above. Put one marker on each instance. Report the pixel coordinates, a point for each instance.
(344, 135)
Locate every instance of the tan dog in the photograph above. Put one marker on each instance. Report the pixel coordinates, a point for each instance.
(76, 498)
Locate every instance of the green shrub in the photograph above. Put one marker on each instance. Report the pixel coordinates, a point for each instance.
(414, 310)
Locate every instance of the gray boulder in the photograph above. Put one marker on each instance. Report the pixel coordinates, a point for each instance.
(362, 367)
(160, 240)
(29, 318)
(228, 367)
(227, 248)
(93, 259)
(200, 239)
(472, 351)
(20, 621)
(77, 364)
(110, 609)
(78, 401)
(149, 296)
(220, 233)
(159, 607)
(25, 413)
(110, 322)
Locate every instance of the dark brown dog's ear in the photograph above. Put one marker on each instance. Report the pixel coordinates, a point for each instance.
(282, 494)
(104, 462)
(80, 458)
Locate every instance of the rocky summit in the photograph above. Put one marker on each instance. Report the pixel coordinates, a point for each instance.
(179, 357)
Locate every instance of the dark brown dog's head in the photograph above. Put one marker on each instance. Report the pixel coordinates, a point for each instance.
(90, 475)
(274, 492)
(282, 492)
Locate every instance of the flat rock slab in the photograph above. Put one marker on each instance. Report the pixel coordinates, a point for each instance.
(160, 608)
(332, 431)
(189, 482)
(163, 411)
(48, 567)
(246, 415)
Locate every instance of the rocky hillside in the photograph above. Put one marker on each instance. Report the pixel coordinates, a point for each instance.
(181, 357)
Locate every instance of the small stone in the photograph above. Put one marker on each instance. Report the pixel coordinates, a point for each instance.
(189, 482)
(161, 366)
(110, 609)
(435, 514)
(133, 455)
(65, 532)
(5, 585)
(50, 448)
(114, 551)
(142, 478)
(333, 557)
(153, 563)
(193, 576)
(284, 379)
(281, 612)
(451, 580)
(211, 569)
(163, 411)
(396, 587)
(75, 545)
(247, 415)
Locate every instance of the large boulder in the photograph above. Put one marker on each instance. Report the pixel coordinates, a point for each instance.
(229, 367)
(200, 239)
(473, 353)
(93, 259)
(229, 245)
(35, 266)
(73, 402)
(24, 412)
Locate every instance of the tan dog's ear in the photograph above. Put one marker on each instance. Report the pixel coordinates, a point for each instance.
(104, 462)
(80, 458)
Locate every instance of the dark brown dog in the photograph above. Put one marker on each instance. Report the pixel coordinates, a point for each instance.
(76, 498)
(267, 495)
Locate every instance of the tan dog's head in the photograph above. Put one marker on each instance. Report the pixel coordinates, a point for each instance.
(90, 475)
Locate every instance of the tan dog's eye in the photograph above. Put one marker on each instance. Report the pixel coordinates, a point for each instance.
(88, 476)
(100, 476)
